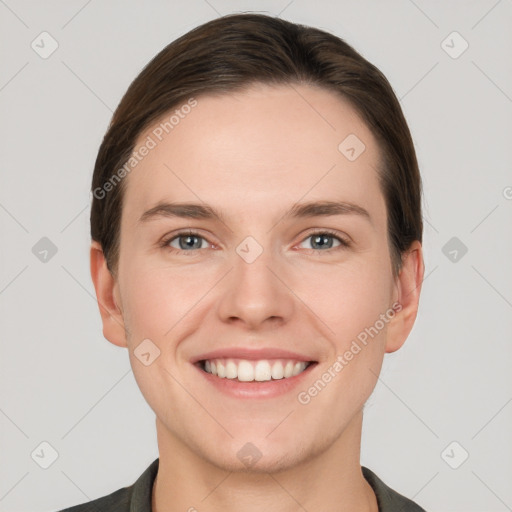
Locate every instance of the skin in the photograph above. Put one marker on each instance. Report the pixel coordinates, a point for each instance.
(253, 155)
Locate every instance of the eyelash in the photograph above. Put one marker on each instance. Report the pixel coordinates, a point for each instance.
(344, 243)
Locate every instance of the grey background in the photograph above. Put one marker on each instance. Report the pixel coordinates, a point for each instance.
(62, 383)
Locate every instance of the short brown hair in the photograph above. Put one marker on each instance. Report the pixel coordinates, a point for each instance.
(235, 51)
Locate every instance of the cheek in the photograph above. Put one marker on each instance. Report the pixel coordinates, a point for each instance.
(352, 298)
(355, 306)
(156, 299)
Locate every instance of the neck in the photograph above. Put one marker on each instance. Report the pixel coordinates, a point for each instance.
(331, 480)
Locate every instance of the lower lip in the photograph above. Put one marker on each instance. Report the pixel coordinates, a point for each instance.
(255, 389)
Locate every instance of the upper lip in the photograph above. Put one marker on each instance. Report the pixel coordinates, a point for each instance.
(251, 354)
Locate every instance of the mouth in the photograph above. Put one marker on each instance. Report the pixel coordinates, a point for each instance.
(249, 373)
(248, 370)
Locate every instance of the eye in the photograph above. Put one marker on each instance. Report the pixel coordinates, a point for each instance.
(325, 240)
(191, 241)
(186, 241)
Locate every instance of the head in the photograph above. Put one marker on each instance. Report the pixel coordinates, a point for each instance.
(251, 117)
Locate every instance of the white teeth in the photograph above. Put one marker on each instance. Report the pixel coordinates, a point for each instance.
(260, 371)
(288, 369)
(245, 371)
(231, 370)
(277, 370)
(221, 370)
(296, 369)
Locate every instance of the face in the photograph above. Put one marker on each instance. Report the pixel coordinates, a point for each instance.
(274, 271)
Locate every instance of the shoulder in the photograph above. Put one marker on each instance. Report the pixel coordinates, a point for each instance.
(134, 497)
(388, 499)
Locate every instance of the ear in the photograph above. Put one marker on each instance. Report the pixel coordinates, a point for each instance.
(107, 294)
(407, 295)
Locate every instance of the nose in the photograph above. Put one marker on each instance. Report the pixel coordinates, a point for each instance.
(255, 294)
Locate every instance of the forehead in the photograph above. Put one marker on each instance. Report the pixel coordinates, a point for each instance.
(257, 148)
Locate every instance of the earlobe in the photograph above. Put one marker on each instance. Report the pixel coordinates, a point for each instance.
(106, 290)
(408, 285)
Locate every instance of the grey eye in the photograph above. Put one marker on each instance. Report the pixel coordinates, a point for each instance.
(187, 242)
(321, 241)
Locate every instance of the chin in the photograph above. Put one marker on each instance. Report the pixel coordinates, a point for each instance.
(260, 462)
(260, 455)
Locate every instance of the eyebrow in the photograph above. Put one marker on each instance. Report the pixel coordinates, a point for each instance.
(298, 210)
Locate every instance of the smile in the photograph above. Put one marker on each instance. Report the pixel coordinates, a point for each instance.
(245, 370)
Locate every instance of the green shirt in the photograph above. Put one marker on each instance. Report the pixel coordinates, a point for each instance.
(137, 497)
